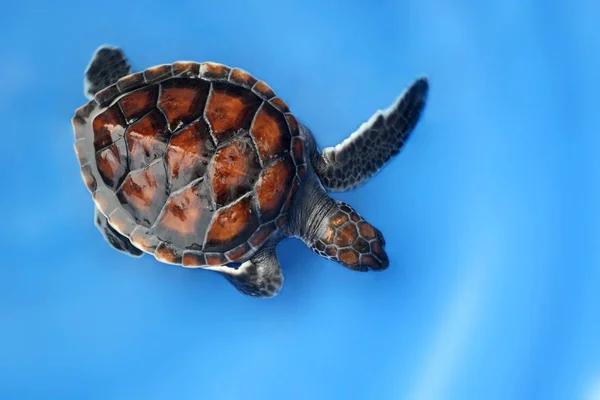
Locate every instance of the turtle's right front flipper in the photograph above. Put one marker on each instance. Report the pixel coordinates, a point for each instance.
(359, 157)
(113, 237)
(108, 65)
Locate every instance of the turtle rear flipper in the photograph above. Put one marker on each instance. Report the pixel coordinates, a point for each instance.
(359, 157)
(261, 276)
(113, 237)
(108, 65)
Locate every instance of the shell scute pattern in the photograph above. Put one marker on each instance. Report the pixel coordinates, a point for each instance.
(185, 69)
(194, 162)
(242, 78)
(138, 103)
(214, 71)
(270, 133)
(157, 73)
(188, 154)
(130, 82)
(112, 164)
(182, 101)
(230, 110)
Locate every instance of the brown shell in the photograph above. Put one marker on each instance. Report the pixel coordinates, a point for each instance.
(195, 163)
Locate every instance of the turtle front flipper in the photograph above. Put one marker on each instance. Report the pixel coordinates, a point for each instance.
(359, 157)
(113, 237)
(261, 276)
(108, 65)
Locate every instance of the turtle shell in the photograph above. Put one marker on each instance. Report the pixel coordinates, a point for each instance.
(194, 163)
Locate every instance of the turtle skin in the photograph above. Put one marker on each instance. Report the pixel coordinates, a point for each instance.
(195, 163)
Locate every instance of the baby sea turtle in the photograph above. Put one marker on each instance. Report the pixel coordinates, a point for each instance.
(202, 165)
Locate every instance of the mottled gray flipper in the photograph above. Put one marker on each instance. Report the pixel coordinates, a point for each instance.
(359, 157)
(108, 65)
(113, 237)
(261, 276)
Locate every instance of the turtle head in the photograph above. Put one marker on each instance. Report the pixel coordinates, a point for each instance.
(344, 236)
(334, 230)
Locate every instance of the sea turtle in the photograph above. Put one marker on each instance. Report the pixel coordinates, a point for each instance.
(202, 165)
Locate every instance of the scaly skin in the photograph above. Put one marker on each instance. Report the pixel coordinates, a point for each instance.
(359, 157)
(347, 238)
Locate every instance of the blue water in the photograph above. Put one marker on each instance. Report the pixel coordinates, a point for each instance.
(490, 212)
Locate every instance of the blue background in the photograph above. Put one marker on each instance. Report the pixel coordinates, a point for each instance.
(490, 212)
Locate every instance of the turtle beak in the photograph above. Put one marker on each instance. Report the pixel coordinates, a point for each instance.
(378, 254)
(372, 257)
(377, 257)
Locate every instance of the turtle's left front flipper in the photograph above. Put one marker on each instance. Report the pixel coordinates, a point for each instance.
(359, 157)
